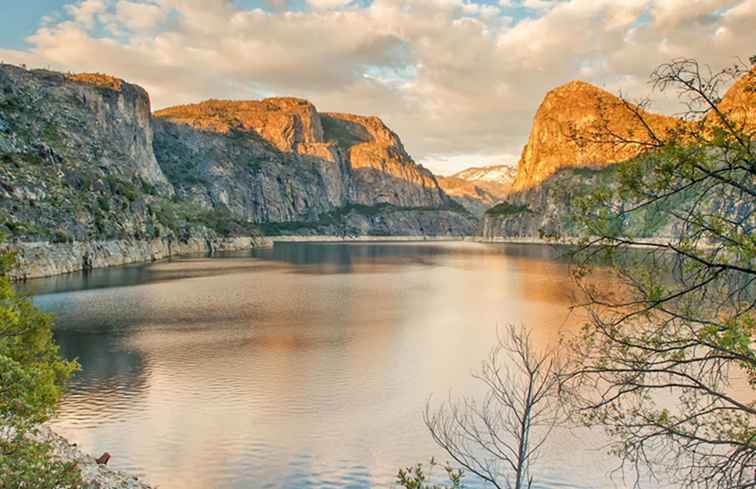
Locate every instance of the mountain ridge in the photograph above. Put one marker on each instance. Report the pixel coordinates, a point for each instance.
(86, 161)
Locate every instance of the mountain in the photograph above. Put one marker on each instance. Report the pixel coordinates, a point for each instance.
(498, 174)
(478, 188)
(89, 177)
(280, 163)
(473, 197)
(564, 127)
(739, 103)
(77, 158)
(562, 160)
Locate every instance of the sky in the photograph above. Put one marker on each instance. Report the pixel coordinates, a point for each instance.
(458, 80)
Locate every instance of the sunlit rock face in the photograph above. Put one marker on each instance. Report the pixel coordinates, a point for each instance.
(738, 104)
(474, 197)
(381, 171)
(566, 132)
(565, 157)
(279, 160)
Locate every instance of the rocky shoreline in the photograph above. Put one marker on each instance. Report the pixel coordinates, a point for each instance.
(46, 259)
(94, 475)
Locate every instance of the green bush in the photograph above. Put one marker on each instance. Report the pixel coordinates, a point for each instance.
(416, 477)
(123, 188)
(32, 377)
(506, 209)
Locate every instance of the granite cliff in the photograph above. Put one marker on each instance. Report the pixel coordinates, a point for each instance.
(563, 128)
(278, 160)
(88, 171)
(77, 158)
(563, 160)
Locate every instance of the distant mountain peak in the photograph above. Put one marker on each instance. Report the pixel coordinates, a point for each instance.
(479, 187)
(500, 174)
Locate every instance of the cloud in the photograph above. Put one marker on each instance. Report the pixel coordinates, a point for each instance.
(456, 79)
(85, 12)
(138, 17)
(328, 4)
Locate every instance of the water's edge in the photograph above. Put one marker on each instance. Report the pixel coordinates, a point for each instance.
(46, 259)
(92, 473)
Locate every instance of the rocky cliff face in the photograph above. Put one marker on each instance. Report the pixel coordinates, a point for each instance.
(474, 197)
(84, 160)
(280, 161)
(381, 171)
(565, 127)
(77, 158)
(83, 118)
(546, 210)
(564, 159)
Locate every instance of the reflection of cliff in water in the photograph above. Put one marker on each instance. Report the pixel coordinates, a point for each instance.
(174, 268)
(111, 378)
(329, 257)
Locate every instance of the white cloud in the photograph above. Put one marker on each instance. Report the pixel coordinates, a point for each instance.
(137, 16)
(328, 4)
(456, 79)
(86, 11)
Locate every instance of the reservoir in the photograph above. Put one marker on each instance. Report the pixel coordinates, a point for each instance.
(305, 365)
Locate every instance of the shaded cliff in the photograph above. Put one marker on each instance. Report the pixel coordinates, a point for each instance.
(77, 158)
(546, 211)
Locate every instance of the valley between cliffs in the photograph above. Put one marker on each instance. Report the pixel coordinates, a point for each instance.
(90, 177)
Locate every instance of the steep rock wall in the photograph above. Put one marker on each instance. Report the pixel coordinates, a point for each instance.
(567, 129)
(77, 157)
(563, 159)
(280, 161)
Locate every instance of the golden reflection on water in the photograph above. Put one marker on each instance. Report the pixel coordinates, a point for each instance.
(307, 365)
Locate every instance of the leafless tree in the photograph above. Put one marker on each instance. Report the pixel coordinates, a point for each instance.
(499, 437)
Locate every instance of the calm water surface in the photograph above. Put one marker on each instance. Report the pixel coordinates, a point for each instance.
(305, 365)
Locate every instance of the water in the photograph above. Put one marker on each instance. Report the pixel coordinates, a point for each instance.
(305, 365)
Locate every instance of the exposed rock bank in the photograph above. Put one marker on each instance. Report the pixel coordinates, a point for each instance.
(44, 259)
(95, 476)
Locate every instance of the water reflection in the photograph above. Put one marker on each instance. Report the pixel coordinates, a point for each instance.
(305, 365)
